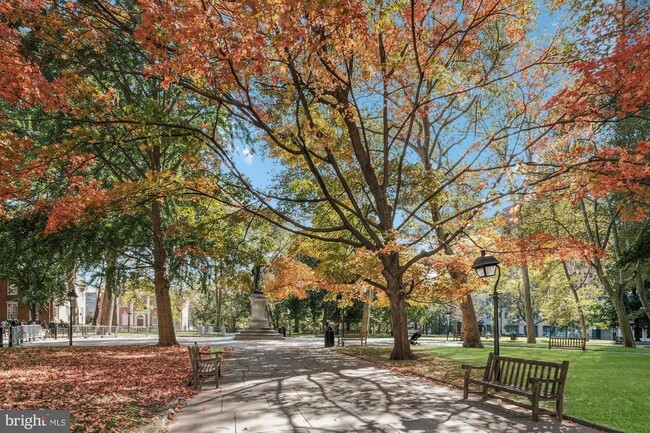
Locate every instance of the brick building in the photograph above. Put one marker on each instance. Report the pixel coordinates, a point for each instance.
(12, 309)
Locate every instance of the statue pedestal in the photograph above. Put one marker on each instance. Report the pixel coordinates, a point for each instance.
(259, 327)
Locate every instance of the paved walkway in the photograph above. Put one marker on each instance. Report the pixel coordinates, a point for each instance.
(299, 386)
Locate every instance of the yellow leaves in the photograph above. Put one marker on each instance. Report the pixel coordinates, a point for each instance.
(288, 277)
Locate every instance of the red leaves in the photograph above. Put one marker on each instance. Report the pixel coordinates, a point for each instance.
(82, 202)
(105, 388)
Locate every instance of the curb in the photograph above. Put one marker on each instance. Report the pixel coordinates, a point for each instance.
(159, 425)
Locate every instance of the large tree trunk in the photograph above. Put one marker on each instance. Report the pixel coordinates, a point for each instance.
(365, 317)
(166, 334)
(641, 291)
(621, 315)
(110, 288)
(616, 296)
(105, 308)
(528, 304)
(397, 296)
(218, 300)
(401, 346)
(470, 330)
(100, 293)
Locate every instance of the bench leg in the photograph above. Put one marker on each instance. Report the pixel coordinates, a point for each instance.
(466, 385)
(559, 408)
(485, 392)
(535, 410)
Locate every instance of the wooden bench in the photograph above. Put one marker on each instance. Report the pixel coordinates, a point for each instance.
(619, 340)
(204, 366)
(579, 343)
(536, 380)
(361, 337)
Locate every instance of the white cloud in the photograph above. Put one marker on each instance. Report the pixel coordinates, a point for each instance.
(248, 155)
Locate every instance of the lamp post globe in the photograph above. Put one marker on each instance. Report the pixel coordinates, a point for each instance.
(485, 267)
(72, 296)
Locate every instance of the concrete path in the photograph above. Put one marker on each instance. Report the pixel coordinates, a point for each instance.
(299, 386)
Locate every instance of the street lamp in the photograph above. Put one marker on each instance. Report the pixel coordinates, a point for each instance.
(146, 319)
(72, 296)
(448, 323)
(339, 301)
(288, 323)
(487, 266)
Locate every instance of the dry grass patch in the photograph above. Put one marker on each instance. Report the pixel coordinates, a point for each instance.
(426, 364)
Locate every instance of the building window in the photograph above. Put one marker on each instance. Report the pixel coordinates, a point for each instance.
(12, 290)
(548, 331)
(12, 310)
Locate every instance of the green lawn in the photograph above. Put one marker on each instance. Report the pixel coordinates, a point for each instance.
(606, 385)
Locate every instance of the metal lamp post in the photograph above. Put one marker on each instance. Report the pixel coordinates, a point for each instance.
(288, 322)
(339, 301)
(487, 266)
(72, 296)
(448, 323)
(146, 319)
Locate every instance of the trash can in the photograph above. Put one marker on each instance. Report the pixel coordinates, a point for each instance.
(329, 337)
(513, 337)
(282, 330)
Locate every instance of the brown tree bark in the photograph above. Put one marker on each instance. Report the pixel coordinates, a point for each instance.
(469, 330)
(401, 347)
(528, 304)
(365, 316)
(397, 296)
(641, 290)
(98, 303)
(166, 334)
(110, 288)
(105, 308)
(218, 301)
(616, 296)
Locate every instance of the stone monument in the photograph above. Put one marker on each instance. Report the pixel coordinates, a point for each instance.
(259, 327)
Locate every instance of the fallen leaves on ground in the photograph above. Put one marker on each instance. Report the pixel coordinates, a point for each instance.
(106, 389)
(425, 365)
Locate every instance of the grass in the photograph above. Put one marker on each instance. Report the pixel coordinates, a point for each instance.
(606, 385)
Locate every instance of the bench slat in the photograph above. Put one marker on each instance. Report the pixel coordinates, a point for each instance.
(537, 380)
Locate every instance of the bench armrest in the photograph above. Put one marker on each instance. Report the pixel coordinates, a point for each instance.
(473, 367)
(209, 358)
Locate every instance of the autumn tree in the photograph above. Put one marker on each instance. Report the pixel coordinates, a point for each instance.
(124, 144)
(607, 145)
(342, 94)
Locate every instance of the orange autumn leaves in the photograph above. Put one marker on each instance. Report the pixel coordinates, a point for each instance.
(106, 389)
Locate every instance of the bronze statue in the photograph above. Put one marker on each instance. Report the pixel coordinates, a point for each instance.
(257, 275)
